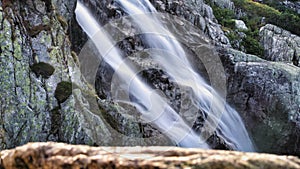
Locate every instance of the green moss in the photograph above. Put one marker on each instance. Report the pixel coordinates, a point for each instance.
(5, 39)
(75, 58)
(17, 45)
(63, 91)
(251, 43)
(62, 21)
(42, 69)
(224, 16)
(46, 38)
(54, 53)
(46, 20)
(1, 14)
(255, 11)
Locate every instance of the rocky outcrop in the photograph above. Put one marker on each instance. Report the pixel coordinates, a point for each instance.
(32, 63)
(43, 96)
(226, 4)
(293, 5)
(267, 96)
(57, 155)
(280, 45)
(199, 14)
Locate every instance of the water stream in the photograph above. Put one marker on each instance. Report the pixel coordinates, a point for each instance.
(151, 104)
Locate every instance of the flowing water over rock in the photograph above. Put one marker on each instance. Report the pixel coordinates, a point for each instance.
(172, 59)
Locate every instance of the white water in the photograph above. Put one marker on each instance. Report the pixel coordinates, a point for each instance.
(162, 115)
(231, 127)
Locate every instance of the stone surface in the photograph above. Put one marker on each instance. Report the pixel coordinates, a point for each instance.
(227, 4)
(36, 57)
(293, 5)
(239, 24)
(197, 12)
(58, 155)
(267, 96)
(280, 45)
(27, 86)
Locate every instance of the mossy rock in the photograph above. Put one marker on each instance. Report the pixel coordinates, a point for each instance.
(43, 69)
(63, 91)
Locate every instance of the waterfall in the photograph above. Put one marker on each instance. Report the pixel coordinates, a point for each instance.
(149, 103)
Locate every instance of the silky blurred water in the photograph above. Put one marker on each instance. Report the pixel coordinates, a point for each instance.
(152, 106)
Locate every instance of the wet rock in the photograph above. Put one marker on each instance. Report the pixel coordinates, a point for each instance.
(280, 45)
(198, 13)
(58, 155)
(268, 102)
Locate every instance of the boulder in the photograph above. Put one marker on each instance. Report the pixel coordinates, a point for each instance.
(280, 45)
(58, 155)
(239, 24)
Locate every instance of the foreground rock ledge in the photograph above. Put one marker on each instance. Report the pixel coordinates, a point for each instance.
(59, 155)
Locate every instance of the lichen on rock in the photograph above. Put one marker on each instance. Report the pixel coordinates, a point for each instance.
(280, 45)
(35, 59)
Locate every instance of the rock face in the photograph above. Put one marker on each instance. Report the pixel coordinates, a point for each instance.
(40, 79)
(227, 4)
(199, 14)
(267, 96)
(293, 5)
(280, 45)
(57, 155)
(35, 57)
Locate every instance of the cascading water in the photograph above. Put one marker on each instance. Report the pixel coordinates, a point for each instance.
(169, 122)
(151, 105)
